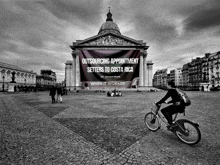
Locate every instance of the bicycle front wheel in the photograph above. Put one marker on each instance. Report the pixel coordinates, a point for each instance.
(152, 121)
(188, 132)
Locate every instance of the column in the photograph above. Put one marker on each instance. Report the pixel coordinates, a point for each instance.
(145, 69)
(69, 74)
(73, 72)
(141, 70)
(78, 85)
(149, 76)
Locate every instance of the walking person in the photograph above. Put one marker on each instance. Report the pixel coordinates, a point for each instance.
(59, 95)
(52, 94)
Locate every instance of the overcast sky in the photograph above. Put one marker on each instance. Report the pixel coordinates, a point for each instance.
(36, 34)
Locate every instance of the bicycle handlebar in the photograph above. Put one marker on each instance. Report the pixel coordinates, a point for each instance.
(161, 103)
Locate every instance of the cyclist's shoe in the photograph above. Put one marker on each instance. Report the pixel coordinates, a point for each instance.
(172, 127)
(152, 121)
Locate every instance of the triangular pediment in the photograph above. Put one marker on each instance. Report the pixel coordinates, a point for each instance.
(109, 39)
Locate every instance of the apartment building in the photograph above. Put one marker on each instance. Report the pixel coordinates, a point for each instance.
(185, 75)
(160, 78)
(46, 79)
(204, 72)
(195, 73)
(213, 64)
(199, 74)
(176, 76)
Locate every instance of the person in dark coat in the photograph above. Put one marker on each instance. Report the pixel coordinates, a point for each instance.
(53, 93)
(59, 94)
(178, 105)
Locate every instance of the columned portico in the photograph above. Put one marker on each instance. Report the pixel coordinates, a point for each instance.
(109, 39)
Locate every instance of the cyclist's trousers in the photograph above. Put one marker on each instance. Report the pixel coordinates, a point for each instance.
(170, 110)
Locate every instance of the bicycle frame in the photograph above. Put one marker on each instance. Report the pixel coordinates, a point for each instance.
(184, 129)
(161, 116)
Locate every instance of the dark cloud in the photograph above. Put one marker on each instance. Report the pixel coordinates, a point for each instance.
(205, 16)
(203, 19)
(217, 33)
(16, 24)
(35, 42)
(154, 31)
(44, 65)
(9, 20)
(25, 5)
(37, 34)
(6, 46)
(87, 11)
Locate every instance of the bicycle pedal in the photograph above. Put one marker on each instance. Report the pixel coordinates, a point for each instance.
(152, 121)
(172, 128)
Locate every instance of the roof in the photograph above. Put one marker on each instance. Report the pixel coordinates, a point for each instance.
(109, 37)
(14, 67)
(109, 25)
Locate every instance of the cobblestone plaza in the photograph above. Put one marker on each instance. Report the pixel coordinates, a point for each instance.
(34, 131)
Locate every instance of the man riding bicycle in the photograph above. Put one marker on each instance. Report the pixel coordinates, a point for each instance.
(178, 105)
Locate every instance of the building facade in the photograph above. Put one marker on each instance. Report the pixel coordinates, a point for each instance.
(19, 77)
(46, 79)
(109, 41)
(195, 73)
(199, 74)
(172, 75)
(212, 63)
(185, 75)
(160, 78)
(178, 77)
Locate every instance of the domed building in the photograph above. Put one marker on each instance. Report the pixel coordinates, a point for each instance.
(108, 60)
(109, 26)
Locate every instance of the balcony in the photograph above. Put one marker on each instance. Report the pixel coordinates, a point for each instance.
(205, 65)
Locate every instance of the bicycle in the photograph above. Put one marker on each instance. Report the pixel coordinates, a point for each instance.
(186, 130)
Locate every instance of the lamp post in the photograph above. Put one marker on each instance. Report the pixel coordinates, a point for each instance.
(3, 86)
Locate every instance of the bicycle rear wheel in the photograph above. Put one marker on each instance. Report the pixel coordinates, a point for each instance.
(188, 132)
(152, 121)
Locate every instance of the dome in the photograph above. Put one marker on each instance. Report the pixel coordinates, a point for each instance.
(109, 25)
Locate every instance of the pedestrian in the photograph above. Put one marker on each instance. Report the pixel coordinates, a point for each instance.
(52, 94)
(59, 94)
(65, 91)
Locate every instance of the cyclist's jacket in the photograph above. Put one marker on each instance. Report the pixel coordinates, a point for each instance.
(174, 95)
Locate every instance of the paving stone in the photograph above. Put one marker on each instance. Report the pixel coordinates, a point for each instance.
(41, 140)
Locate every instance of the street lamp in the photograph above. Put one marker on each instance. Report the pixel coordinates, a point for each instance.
(3, 86)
